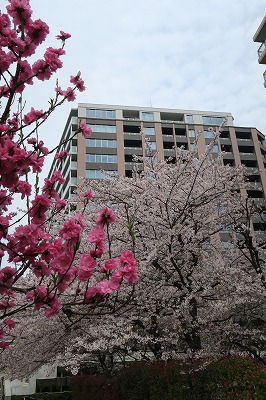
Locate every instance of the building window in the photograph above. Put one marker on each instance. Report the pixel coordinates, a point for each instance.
(97, 113)
(215, 148)
(148, 130)
(109, 143)
(208, 134)
(151, 145)
(189, 119)
(147, 116)
(191, 133)
(103, 128)
(96, 174)
(209, 120)
(101, 158)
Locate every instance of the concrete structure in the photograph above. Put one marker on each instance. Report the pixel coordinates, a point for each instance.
(260, 37)
(27, 387)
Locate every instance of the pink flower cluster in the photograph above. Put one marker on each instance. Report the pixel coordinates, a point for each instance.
(118, 270)
(127, 271)
(41, 262)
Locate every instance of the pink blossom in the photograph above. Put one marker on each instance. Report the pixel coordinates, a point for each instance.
(5, 200)
(35, 161)
(80, 86)
(75, 78)
(4, 128)
(60, 204)
(49, 184)
(32, 141)
(59, 90)
(27, 239)
(24, 188)
(54, 308)
(10, 323)
(60, 256)
(127, 257)
(41, 70)
(41, 146)
(25, 72)
(85, 130)
(19, 10)
(86, 261)
(7, 275)
(5, 304)
(4, 224)
(130, 274)
(116, 280)
(51, 57)
(105, 287)
(32, 116)
(64, 279)
(71, 229)
(40, 206)
(90, 293)
(98, 251)
(63, 36)
(6, 59)
(37, 31)
(87, 195)
(97, 236)
(4, 91)
(105, 216)
(13, 122)
(30, 47)
(78, 82)
(4, 345)
(109, 265)
(61, 155)
(87, 265)
(40, 269)
(69, 94)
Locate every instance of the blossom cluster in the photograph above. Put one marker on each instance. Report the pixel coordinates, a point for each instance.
(40, 267)
(118, 270)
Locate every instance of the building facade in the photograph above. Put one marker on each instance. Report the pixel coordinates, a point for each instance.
(120, 132)
(260, 37)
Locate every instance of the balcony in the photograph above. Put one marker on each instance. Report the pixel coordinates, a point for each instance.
(262, 53)
(260, 34)
(244, 142)
(248, 156)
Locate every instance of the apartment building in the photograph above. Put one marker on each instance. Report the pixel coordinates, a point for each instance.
(260, 37)
(120, 132)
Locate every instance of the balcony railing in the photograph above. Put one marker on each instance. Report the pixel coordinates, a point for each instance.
(262, 53)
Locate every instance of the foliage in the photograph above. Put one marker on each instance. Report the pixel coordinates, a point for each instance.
(224, 378)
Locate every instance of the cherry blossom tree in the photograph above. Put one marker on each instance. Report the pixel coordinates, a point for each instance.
(196, 295)
(38, 268)
(201, 290)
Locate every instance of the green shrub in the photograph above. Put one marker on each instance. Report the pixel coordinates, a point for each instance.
(236, 378)
(94, 387)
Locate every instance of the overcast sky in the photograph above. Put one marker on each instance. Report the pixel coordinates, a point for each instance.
(162, 53)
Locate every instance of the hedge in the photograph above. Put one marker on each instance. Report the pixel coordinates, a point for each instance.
(239, 378)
